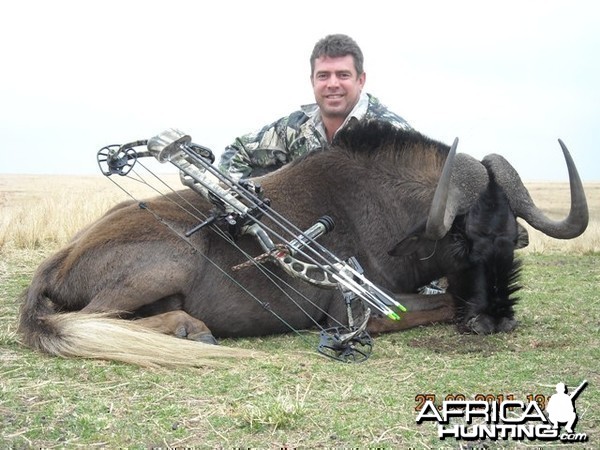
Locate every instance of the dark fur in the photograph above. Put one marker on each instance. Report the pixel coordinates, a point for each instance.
(377, 184)
(485, 288)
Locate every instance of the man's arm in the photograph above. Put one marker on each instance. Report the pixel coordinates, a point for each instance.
(235, 161)
(258, 153)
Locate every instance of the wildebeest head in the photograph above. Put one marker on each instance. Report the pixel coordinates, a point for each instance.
(473, 216)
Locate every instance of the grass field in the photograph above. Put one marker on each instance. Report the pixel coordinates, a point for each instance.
(292, 397)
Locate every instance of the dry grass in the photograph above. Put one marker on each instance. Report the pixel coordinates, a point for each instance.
(42, 210)
(296, 399)
(38, 210)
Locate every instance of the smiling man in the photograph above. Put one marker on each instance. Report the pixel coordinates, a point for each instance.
(337, 77)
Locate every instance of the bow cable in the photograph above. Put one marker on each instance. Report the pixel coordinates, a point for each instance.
(172, 144)
(347, 276)
(263, 269)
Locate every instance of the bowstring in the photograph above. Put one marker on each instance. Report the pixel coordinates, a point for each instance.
(263, 269)
(199, 215)
(318, 250)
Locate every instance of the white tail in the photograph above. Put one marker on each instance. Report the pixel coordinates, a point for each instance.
(98, 336)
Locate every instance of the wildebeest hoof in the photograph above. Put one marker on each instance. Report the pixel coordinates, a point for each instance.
(206, 338)
(506, 324)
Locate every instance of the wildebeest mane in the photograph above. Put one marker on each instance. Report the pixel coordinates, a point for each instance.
(362, 137)
(391, 149)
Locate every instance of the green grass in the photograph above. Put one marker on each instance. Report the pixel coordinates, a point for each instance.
(293, 396)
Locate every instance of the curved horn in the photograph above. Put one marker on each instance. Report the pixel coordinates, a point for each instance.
(436, 226)
(523, 206)
(462, 181)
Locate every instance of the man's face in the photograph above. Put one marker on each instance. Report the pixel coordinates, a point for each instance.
(336, 85)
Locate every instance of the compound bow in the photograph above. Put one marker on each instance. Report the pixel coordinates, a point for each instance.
(240, 206)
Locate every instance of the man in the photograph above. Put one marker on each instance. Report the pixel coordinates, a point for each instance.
(337, 78)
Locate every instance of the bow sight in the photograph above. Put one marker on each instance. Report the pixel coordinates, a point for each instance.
(240, 207)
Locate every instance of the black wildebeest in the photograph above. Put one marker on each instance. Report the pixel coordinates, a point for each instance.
(407, 211)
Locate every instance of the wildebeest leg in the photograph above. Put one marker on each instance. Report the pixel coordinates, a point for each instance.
(421, 310)
(155, 302)
(141, 288)
(179, 324)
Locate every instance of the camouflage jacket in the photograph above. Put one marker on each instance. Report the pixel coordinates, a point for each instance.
(288, 138)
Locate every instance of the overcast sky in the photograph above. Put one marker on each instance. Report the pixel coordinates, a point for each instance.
(505, 77)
